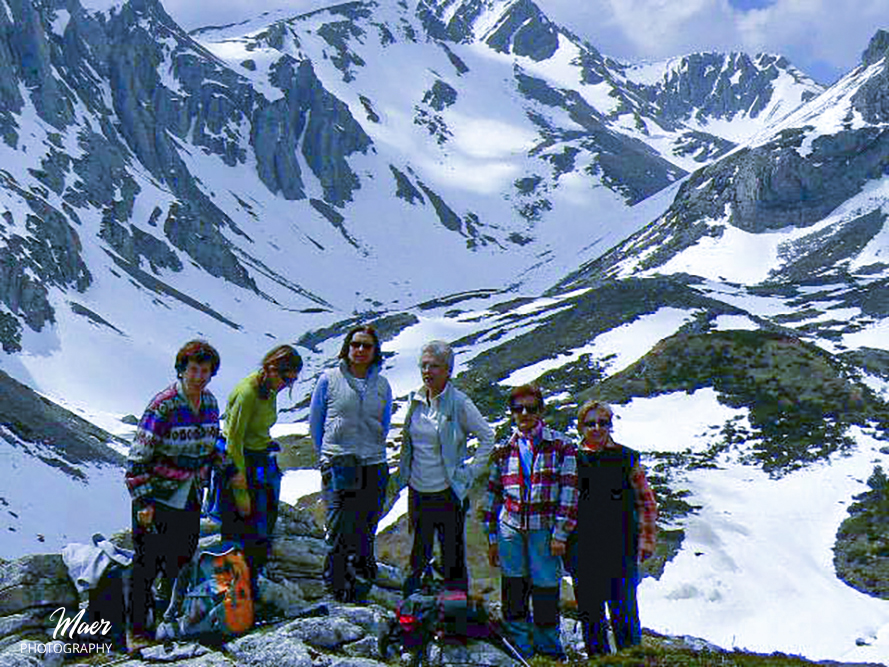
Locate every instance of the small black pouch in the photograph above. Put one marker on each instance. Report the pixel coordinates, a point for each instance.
(345, 473)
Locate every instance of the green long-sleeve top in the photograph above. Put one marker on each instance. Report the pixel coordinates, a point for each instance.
(248, 420)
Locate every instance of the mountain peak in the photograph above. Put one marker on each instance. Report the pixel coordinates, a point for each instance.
(877, 48)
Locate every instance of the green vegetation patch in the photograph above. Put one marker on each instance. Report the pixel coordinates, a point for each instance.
(801, 399)
(572, 324)
(861, 551)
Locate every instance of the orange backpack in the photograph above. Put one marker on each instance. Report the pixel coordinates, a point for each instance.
(212, 599)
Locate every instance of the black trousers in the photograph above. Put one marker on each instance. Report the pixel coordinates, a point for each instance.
(165, 547)
(352, 516)
(440, 513)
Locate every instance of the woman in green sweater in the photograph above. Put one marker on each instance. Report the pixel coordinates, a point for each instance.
(249, 516)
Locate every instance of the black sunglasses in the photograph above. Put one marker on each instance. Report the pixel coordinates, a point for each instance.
(355, 344)
(601, 423)
(527, 409)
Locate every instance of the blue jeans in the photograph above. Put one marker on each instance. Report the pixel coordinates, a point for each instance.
(528, 569)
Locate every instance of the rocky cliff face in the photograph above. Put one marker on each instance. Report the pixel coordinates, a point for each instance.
(803, 176)
(105, 84)
(708, 86)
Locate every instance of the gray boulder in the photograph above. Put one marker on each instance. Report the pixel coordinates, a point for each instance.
(31, 588)
(270, 648)
(323, 633)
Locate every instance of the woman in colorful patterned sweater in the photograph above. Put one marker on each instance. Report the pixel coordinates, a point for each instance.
(167, 467)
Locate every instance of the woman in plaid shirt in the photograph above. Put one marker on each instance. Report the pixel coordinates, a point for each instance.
(530, 510)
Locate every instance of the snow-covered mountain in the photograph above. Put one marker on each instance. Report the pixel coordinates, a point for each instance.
(700, 241)
(159, 165)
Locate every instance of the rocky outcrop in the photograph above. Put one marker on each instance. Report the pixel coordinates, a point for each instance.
(524, 31)
(31, 588)
(56, 435)
(521, 28)
(626, 165)
(718, 85)
(43, 251)
(145, 89)
(308, 115)
(297, 624)
(872, 98)
(877, 48)
(769, 187)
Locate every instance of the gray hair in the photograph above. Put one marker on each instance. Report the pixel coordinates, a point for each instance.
(441, 351)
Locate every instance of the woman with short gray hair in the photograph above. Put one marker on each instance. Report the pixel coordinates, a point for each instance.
(437, 468)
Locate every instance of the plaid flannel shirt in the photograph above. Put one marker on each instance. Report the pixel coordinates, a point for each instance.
(646, 508)
(550, 500)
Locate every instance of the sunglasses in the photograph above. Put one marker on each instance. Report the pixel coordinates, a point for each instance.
(601, 423)
(356, 344)
(526, 409)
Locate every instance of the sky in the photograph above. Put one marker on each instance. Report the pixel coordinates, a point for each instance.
(824, 38)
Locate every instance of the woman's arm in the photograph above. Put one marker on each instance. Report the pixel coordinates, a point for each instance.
(474, 423)
(241, 405)
(153, 428)
(386, 419)
(318, 412)
(646, 508)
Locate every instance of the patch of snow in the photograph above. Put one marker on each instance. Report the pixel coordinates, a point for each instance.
(42, 508)
(756, 567)
(627, 343)
(674, 422)
(874, 335)
(298, 483)
(734, 322)
(60, 22)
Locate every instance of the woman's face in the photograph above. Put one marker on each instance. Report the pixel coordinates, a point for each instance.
(596, 426)
(361, 349)
(526, 412)
(435, 373)
(280, 380)
(197, 375)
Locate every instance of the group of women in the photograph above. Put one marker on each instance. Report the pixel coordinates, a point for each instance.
(545, 496)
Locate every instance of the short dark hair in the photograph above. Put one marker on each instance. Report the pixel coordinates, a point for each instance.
(199, 351)
(370, 331)
(530, 389)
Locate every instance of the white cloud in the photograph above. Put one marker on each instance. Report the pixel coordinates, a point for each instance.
(822, 37)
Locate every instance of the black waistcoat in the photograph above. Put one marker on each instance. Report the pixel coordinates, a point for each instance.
(607, 530)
